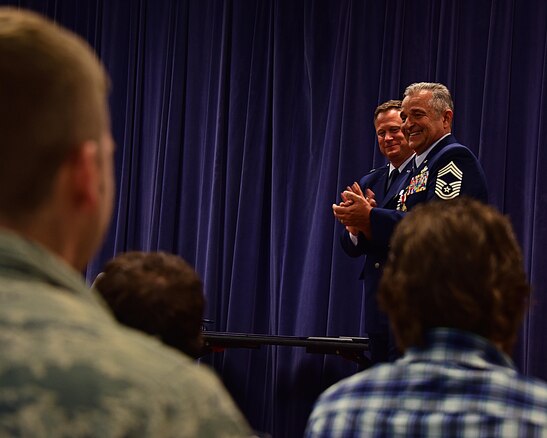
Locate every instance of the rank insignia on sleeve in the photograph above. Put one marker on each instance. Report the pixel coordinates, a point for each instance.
(449, 181)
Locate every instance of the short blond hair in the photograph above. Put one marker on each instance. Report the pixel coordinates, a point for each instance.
(53, 93)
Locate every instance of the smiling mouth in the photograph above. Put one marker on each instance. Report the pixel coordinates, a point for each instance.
(412, 134)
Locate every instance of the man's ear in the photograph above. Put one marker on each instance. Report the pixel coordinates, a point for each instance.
(447, 118)
(83, 175)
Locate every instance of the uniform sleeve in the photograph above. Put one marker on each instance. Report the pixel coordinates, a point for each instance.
(457, 173)
(382, 224)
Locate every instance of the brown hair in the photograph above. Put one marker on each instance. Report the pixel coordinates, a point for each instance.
(386, 106)
(157, 293)
(53, 97)
(454, 264)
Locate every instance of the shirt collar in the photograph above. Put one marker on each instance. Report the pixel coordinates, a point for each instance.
(452, 345)
(18, 254)
(421, 158)
(402, 166)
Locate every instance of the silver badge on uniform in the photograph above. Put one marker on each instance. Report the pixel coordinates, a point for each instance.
(449, 181)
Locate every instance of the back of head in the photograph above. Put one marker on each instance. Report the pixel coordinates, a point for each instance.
(53, 97)
(441, 98)
(157, 293)
(454, 264)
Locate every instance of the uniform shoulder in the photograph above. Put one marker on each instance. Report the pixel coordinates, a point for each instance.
(456, 149)
(373, 175)
(454, 154)
(379, 169)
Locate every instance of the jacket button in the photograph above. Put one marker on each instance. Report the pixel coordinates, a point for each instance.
(376, 265)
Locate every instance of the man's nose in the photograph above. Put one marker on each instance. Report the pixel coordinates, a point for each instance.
(406, 124)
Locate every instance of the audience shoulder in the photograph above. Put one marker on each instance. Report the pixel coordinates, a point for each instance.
(191, 392)
(131, 380)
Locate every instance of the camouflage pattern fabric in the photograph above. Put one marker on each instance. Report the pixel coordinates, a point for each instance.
(67, 368)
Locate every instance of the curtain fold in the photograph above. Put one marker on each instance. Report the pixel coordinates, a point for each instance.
(239, 123)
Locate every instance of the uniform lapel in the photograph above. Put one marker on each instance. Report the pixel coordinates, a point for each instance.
(444, 142)
(400, 183)
(379, 187)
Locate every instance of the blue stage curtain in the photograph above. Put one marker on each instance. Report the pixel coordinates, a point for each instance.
(239, 122)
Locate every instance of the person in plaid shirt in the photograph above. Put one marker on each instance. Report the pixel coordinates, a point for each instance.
(455, 291)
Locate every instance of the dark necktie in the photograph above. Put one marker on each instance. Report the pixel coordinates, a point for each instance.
(394, 174)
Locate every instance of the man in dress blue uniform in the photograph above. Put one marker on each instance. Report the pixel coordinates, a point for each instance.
(380, 186)
(455, 290)
(443, 168)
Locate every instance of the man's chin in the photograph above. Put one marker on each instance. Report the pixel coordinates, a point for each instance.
(415, 146)
(390, 152)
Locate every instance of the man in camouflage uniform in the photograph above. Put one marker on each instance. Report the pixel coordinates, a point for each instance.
(66, 367)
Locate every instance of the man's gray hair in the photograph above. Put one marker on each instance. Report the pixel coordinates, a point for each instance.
(441, 99)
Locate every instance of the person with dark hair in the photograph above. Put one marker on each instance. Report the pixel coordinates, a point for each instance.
(67, 368)
(455, 291)
(157, 293)
(380, 185)
(443, 168)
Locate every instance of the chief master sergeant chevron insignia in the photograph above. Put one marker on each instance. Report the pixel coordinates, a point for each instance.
(449, 181)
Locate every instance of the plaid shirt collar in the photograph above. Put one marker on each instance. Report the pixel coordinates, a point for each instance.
(452, 345)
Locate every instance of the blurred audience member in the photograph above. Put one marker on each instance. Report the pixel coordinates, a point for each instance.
(67, 368)
(455, 291)
(157, 293)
